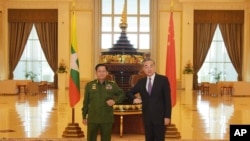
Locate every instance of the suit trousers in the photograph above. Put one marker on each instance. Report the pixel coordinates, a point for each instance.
(104, 128)
(154, 132)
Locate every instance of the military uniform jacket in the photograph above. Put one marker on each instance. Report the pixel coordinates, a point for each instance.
(95, 108)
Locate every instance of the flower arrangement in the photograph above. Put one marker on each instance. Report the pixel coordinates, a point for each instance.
(188, 69)
(30, 75)
(216, 74)
(62, 67)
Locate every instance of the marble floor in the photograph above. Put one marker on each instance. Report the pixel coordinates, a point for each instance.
(196, 116)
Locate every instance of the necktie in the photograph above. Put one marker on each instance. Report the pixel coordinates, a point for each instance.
(149, 86)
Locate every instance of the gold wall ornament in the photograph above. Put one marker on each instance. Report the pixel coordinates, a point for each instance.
(126, 58)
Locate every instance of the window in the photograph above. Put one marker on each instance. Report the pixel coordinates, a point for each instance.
(217, 65)
(138, 20)
(33, 60)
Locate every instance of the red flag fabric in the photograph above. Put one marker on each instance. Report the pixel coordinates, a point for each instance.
(170, 60)
(74, 80)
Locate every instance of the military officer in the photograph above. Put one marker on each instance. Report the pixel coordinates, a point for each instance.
(99, 98)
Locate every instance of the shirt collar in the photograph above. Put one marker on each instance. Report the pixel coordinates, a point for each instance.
(152, 77)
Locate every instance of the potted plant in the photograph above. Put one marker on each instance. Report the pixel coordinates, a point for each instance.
(62, 67)
(188, 71)
(62, 70)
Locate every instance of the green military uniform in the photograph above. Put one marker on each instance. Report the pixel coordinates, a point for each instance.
(95, 109)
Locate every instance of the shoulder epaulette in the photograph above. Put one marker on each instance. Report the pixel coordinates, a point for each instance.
(92, 81)
(111, 81)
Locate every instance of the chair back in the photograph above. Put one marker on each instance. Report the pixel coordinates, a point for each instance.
(134, 79)
(110, 77)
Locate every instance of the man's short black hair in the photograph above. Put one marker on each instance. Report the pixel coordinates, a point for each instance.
(101, 65)
(148, 59)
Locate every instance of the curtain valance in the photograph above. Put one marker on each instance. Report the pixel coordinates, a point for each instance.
(32, 15)
(219, 16)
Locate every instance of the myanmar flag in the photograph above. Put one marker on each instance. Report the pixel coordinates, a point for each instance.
(170, 60)
(74, 80)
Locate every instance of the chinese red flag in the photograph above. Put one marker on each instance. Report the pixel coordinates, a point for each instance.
(170, 60)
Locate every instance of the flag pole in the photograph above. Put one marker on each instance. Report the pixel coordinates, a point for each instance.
(73, 115)
(73, 130)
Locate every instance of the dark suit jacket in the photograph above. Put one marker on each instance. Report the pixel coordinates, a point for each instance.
(157, 106)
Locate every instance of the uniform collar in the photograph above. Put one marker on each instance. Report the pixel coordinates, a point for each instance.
(98, 82)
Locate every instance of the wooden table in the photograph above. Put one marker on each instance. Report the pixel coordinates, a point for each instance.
(124, 113)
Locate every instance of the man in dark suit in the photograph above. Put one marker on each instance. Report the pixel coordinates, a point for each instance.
(155, 97)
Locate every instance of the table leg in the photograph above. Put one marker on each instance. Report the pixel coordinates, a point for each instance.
(121, 125)
(20, 87)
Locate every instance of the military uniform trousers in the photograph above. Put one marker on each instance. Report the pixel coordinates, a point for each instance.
(105, 130)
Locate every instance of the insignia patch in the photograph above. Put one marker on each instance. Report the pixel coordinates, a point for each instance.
(108, 87)
(93, 86)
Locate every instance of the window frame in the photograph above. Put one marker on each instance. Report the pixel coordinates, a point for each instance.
(29, 60)
(213, 65)
(115, 34)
